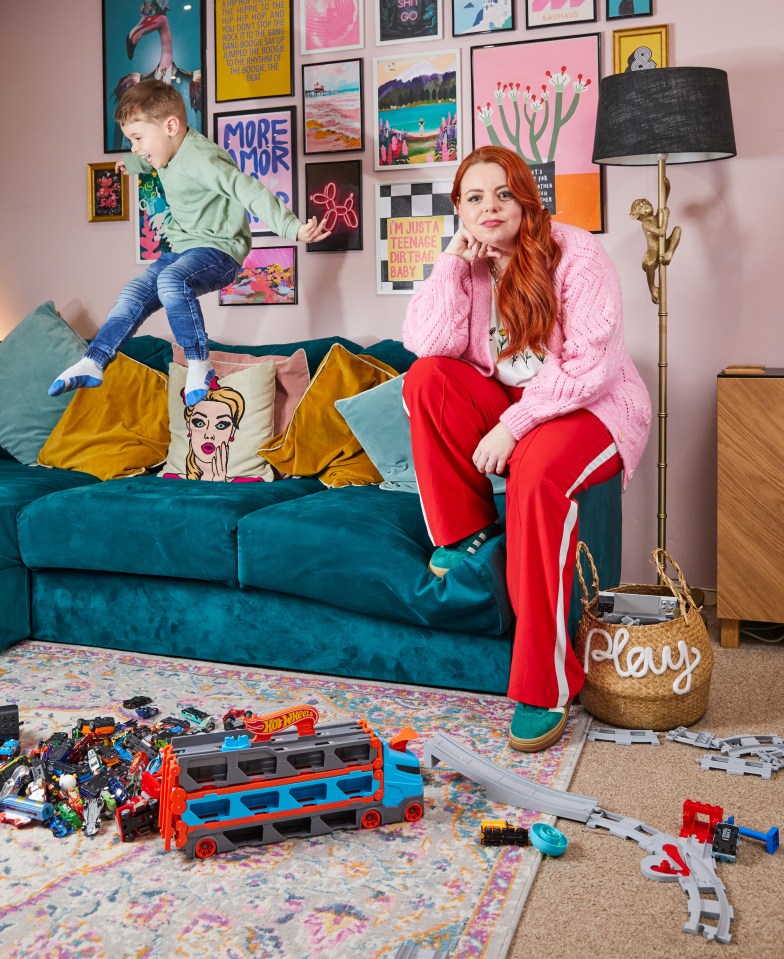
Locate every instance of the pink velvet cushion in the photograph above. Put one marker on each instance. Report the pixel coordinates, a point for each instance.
(291, 377)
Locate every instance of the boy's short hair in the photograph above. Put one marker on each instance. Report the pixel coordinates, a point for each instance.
(150, 100)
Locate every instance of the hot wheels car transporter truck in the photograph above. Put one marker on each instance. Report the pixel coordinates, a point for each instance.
(222, 790)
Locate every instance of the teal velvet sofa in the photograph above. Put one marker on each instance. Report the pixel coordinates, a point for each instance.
(290, 574)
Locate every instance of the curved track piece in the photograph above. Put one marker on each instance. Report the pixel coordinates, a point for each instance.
(504, 785)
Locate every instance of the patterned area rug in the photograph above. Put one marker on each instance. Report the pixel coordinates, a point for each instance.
(353, 894)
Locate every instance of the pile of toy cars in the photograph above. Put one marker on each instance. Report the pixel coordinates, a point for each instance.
(99, 770)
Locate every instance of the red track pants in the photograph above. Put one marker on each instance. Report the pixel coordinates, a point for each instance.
(452, 406)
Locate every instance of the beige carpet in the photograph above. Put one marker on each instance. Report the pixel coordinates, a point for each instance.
(595, 902)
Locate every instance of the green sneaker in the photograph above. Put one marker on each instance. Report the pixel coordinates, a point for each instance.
(447, 557)
(534, 727)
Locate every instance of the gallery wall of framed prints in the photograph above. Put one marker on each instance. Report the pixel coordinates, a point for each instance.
(326, 102)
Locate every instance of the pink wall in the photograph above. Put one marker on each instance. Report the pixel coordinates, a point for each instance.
(724, 306)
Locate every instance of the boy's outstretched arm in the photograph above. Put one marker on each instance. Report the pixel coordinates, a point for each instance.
(312, 231)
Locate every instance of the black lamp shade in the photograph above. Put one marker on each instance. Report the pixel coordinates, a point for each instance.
(682, 113)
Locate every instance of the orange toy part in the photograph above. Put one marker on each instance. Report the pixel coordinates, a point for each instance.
(403, 738)
(263, 727)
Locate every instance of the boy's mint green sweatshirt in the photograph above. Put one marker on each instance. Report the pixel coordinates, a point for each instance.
(208, 199)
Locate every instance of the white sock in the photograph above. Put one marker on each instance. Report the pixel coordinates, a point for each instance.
(85, 373)
(197, 381)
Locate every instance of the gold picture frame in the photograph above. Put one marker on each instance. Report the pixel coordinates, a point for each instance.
(107, 193)
(639, 48)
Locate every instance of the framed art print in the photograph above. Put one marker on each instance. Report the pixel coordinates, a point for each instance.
(623, 9)
(642, 49)
(253, 54)
(268, 278)
(334, 194)
(263, 144)
(152, 39)
(407, 21)
(415, 109)
(151, 209)
(555, 13)
(332, 107)
(471, 18)
(539, 98)
(414, 223)
(326, 27)
(107, 193)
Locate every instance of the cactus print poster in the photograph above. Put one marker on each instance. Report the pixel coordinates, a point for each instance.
(540, 98)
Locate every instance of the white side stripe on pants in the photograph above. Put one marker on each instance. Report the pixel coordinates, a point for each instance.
(561, 637)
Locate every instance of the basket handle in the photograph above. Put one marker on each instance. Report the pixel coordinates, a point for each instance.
(660, 559)
(583, 548)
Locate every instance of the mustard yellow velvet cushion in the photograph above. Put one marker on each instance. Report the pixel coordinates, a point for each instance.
(318, 441)
(118, 429)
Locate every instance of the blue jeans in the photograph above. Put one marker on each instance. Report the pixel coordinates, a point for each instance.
(174, 282)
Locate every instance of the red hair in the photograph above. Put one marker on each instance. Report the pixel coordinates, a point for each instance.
(526, 298)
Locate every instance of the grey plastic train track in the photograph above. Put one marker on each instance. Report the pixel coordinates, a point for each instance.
(669, 859)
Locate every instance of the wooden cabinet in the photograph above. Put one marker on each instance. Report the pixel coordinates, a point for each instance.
(750, 574)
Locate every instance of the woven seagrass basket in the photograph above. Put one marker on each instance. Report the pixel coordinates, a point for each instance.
(644, 677)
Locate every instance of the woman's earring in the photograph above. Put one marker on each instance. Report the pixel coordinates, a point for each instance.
(231, 439)
(189, 433)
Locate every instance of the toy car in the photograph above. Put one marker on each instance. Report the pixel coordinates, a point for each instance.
(14, 818)
(498, 832)
(59, 827)
(147, 712)
(202, 720)
(9, 750)
(137, 817)
(235, 718)
(136, 701)
(117, 790)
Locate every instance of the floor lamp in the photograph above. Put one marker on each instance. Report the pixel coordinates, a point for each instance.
(649, 118)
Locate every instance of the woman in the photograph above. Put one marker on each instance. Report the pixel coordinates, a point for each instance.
(522, 372)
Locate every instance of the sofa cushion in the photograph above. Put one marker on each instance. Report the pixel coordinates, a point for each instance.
(378, 420)
(317, 441)
(118, 430)
(32, 355)
(363, 549)
(149, 526)
(291, 377)
(315, 350)
(20, 485)
(217, 438)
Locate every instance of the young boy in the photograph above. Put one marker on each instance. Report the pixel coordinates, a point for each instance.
(206, 225)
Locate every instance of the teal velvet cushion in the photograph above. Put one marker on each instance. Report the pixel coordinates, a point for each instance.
(150, 350)
(20, 485)
(378, 420)
(360, 548)
(391, 352)
(32, 355)
(150, 526)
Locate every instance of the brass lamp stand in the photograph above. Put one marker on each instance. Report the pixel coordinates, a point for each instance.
(658, 254)
(647, 118)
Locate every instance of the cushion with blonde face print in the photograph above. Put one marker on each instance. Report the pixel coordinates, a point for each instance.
(216, 439)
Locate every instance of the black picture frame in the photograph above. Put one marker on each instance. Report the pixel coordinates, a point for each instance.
(130, 53)
(262, 123)
(618, 9)
(230, 85)
(334, 190)
(353, 102)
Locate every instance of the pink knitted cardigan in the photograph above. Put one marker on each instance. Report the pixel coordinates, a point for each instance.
(587, 366)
